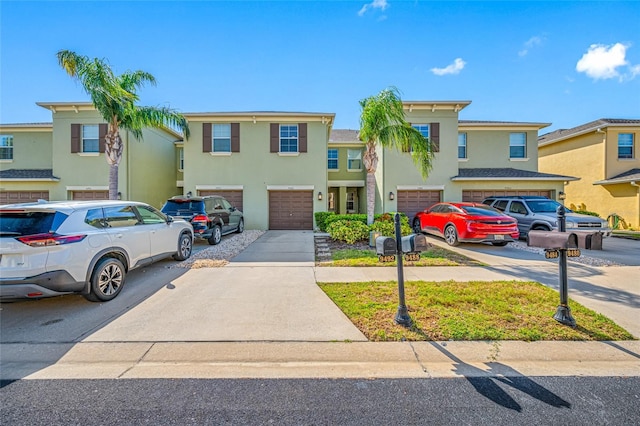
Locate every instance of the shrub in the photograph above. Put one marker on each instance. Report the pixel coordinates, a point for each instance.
(348, 231)
(349, 217)
(587, 212)
(321, 219)
(388, 229)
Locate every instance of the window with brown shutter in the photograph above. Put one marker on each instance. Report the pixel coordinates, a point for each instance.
(206, 137)
(274, 137)
(235, 137)
(75, 138)
(434, 136)
(102, 134)
(302, 137)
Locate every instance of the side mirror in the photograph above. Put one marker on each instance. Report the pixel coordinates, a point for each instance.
(169, 219)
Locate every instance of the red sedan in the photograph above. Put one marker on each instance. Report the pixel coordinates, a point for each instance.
(467, 222)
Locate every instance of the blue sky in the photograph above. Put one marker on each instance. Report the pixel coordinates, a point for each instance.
(562, 62)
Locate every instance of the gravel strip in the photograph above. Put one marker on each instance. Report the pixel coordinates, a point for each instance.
(219, 255)
(585, 260)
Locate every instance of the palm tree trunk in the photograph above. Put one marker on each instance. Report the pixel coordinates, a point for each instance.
(371, 196)
(113, 181)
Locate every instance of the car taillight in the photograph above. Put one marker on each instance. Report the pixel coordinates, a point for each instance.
(200, 219)
(44, 240)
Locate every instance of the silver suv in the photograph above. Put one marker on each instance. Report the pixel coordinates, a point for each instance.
(86, 247)
(540, 213)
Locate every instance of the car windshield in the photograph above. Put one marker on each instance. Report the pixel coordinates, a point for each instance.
(186, 206)
(29, 223)
(481, 210)
(543, 206)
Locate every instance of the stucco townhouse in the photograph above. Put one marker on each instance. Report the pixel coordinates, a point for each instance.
(279, 168)
(604, 154)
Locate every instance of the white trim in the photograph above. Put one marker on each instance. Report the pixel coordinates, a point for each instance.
(180, 183)
(7, 160)
(220, 187)
(462, 160)
(288, 154)
(87, 188)
(354, 170)
(518, 159)
(290, 187)
(420, 187)
(220, 154)
(30, 180)
(88, 154)
(333, 170)
(354, 183)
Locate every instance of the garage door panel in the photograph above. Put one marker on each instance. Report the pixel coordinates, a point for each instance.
(291, 210)
(12, 197)
(235, 197)
(412, 202)
(90, 195)
(476, 196)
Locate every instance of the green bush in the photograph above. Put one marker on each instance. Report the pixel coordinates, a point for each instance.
(388, 229)
(587, 212)
(321, 219)
(350, 217)
(348, 231)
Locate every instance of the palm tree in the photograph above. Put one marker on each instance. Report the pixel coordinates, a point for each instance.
(114, 97)
(382, 123)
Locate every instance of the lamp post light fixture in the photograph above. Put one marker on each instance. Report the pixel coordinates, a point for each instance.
(392, 196)
(319, 196)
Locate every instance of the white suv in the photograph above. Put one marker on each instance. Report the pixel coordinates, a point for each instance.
(86, 247)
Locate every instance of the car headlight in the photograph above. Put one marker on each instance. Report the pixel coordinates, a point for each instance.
(571, 225)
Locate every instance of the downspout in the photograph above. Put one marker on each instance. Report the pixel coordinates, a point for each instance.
(604, 153)
(634, 183)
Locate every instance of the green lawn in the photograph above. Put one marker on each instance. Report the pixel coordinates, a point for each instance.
(500, 310)
(435, 256)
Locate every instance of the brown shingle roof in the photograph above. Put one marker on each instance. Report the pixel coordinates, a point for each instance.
(560, 134)
(507, 173)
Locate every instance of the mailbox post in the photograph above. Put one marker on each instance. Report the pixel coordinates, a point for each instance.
(563, 313)
(402, 316)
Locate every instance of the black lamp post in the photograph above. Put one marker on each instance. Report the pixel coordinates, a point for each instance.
(402, 316)
(563, 313)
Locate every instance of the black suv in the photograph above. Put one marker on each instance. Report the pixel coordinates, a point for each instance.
(211, 216)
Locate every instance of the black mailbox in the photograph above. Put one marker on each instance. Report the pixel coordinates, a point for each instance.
(385, 246)
(589, 240)
(553, 240)
(414, 243)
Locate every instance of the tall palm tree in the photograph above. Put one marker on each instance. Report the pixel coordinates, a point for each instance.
(115, 97)
(383, 124)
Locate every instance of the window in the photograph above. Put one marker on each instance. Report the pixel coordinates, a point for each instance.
(351, 202)
(118, 217)
(181, 159)
(6, 147)
(90, 138)
(332, 156)
(150, 215)
(332, 201)
(462, 145)
(221, 138)
(423, 129)
(517, 145)
(354, 159)
(625, 145)
(289, 138)
(517, 207)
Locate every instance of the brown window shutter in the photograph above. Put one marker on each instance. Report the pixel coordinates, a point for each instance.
(75, 138)
(275, 137)
(434, 132)
(235, 137)
(102, 133)
(302, 137)
(206, 137)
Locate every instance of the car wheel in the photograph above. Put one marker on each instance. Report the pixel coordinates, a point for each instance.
(184, 247)
(500, 243)
(216, 235)
(107, 280)
(451, 235)
(417, 229)
(240, 226)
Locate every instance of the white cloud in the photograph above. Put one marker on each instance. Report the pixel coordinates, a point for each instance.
(530, 44)
(454, 68)
(375, 4)
(604, 62)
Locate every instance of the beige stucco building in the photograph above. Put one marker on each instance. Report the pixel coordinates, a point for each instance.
(603, 153)
(279, 168)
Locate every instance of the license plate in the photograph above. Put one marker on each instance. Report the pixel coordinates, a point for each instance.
(498, 237)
